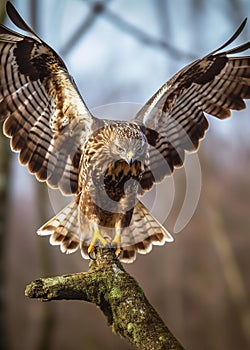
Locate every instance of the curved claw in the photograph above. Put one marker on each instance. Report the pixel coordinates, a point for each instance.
(105, 242)
(117, 253)
(90, 254)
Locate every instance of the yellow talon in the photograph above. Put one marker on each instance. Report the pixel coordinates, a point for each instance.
(94, 242)
(99, 239)
(117, 243)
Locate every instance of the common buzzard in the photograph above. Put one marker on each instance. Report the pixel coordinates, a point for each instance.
(108, 164)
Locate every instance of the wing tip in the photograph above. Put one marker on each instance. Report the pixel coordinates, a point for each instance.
(232, 38)
(17, 19)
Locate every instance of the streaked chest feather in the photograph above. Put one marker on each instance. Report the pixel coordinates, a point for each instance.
(121, 180)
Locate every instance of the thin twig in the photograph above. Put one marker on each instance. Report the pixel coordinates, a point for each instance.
(96, 9)
(146, 38)
(100, 8)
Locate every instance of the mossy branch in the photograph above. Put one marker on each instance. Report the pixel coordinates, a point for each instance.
(118, 295)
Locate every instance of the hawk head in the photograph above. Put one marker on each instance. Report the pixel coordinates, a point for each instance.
(128, 144)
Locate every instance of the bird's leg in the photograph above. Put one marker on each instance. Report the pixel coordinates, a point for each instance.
(117, 243)
(94, 242)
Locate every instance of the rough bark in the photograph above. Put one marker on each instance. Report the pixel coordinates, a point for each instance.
(117, 294)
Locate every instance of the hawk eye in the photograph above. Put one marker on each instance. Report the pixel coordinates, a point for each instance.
(119, 148)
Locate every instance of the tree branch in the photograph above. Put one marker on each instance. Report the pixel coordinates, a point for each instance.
(146, 38)
(139, 34)
(117, 294)
(96, 9)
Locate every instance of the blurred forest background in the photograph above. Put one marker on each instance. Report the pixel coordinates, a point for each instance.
(123, 51)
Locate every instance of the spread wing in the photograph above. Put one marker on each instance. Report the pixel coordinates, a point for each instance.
(44, 114)
(174, 116)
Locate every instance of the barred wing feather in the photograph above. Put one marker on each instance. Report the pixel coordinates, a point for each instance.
(174, 116)
(44, 114)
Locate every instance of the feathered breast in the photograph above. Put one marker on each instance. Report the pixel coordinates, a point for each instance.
(120, 179)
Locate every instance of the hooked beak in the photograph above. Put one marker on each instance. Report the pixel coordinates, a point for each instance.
(130, 158)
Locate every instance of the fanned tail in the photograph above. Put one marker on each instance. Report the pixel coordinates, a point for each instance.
(144, 232)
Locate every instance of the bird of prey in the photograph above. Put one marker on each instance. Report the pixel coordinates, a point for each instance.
(108, 164)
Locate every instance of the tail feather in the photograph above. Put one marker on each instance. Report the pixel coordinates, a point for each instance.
(64, 228)
(143, 232)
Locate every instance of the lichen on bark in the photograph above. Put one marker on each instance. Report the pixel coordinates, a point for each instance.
(117, 294)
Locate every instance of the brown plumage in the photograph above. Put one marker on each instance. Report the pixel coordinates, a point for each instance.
(108, 164)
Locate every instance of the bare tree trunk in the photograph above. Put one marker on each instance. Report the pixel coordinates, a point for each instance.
(117, 294)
